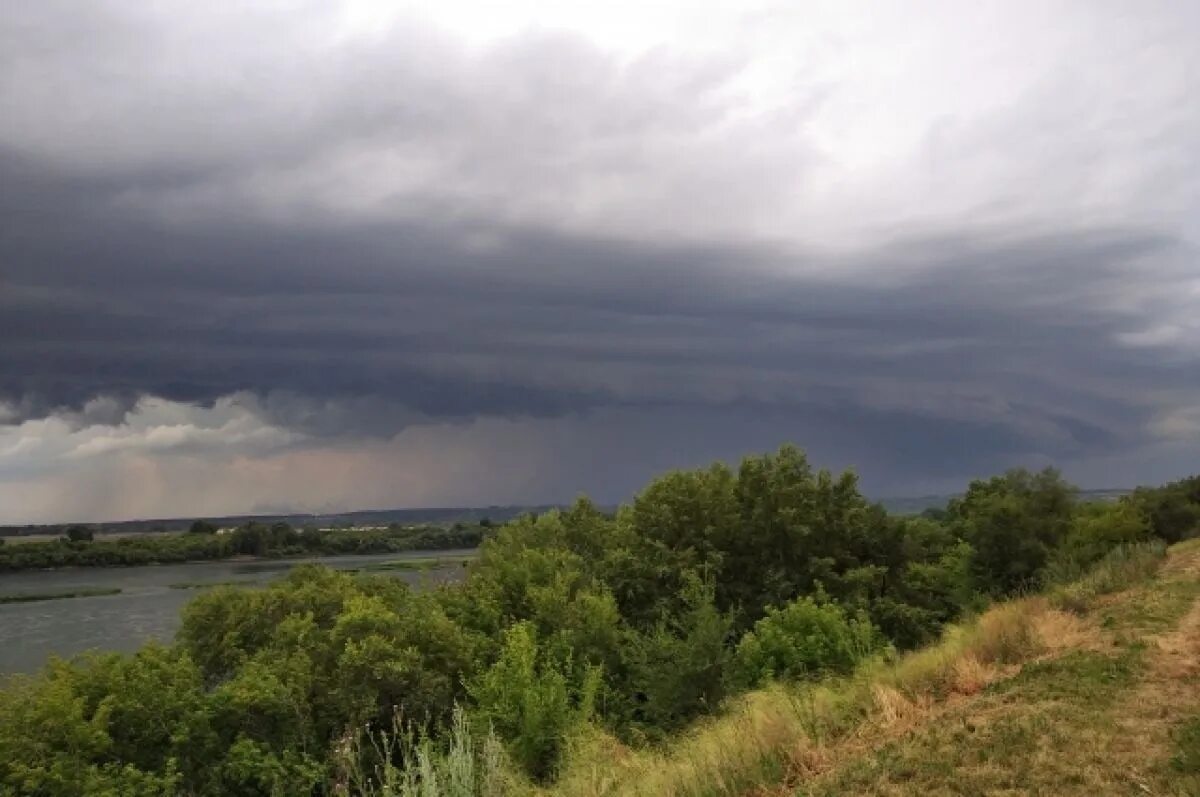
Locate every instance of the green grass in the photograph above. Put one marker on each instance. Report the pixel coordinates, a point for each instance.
(1084, 677)
(54, 596)
(1151, 610)
(1039, 715)
(1187, 747)
(461, 767)
(969, 757)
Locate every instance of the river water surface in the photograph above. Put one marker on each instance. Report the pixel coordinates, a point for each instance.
(148, 605)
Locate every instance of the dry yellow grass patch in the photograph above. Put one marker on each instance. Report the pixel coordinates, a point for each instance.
(810, 760)
(1178, 652)
(1057, 630)
(726, 755)
(971, 676)
(1006, 634)
(895, 711)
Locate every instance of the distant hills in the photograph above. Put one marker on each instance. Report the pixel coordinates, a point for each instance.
(436, 516)
(914, 505)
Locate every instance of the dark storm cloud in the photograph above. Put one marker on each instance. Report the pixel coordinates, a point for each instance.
(996, 338)
(304, 235)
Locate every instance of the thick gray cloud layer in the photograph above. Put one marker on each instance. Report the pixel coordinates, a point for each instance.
(319, 255)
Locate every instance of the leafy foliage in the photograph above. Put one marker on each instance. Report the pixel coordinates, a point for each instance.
(79, 534)
(531, 700)
(1172, 510)
(1096, 530)
(1013, 522)
(806, 638)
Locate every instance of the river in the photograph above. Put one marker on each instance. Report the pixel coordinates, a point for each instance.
(148, 606)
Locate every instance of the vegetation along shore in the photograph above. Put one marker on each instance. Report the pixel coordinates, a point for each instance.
(78, 548)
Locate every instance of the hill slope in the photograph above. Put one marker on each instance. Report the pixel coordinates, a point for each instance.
(1103, 711)
(1093, 689)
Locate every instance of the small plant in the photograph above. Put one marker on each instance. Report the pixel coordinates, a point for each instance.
(404, 762)
(530, 699)
(804, 639)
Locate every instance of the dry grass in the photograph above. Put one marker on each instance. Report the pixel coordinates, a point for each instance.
(1058, 630)
(971, 676)
(729, 755)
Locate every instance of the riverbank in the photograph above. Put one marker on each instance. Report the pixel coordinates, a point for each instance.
(127, 606)
(249, 543)
(54, 596)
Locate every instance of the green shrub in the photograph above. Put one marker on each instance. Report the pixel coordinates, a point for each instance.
(1013, 523)
(529, 700)
(1120, 568)
(677, 670)
(1095, 530)
(1173, 510)
(404, 761)
(804, 639)
(640, 621)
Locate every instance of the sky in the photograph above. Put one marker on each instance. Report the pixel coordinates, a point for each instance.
(320, 256)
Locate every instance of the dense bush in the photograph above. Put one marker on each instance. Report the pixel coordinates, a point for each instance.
(1172, 510)
(1013, 523)
(1095, 530)
(709, 582)
(677, 668)
(531, 700)
(807, 638)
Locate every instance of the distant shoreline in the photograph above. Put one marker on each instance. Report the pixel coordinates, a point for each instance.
(252, 543)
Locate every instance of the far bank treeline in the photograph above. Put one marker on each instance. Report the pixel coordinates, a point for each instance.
(711, 582)
(79, 547)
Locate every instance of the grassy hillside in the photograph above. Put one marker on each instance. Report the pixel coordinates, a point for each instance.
(1091, 689)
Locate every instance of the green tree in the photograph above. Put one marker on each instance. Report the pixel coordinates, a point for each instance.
(1095, 530)
(1013, 523)
(57, 735)
(79, 534)
(678, 669)
(1172, 510)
